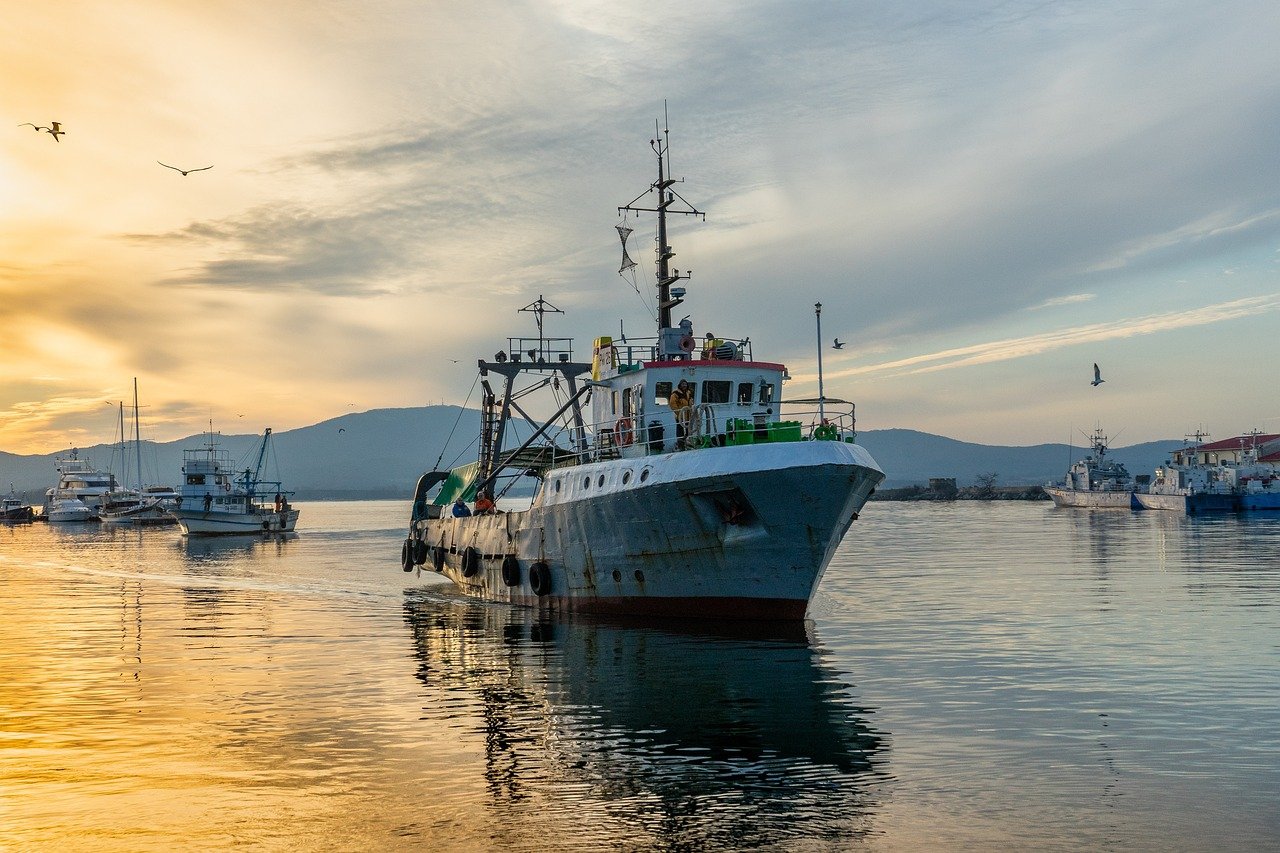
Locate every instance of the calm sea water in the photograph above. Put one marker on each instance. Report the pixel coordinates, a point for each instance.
(974, 677)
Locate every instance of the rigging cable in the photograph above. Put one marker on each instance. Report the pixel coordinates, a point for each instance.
(445, 446)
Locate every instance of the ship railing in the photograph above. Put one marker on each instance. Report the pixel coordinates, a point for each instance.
(633, 353)
(537, 351)
(823, 418)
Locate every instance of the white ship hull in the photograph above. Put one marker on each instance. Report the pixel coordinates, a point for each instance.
(736, 532)
(215, 523)
(69, 511)
(1091, 499)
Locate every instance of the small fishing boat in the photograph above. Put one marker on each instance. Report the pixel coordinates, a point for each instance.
(217, 499)
(668, 481)
(13, 508)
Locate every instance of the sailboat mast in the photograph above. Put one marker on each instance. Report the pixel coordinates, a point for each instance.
(124, 459)
(137, 436)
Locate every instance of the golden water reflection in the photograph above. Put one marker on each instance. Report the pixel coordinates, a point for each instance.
(163, 694)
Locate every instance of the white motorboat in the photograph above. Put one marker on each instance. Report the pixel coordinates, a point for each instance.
(655, 500)
(216, 499)
(79, 481)
(68, 510)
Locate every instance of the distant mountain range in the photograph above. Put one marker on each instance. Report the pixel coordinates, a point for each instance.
(381, 453)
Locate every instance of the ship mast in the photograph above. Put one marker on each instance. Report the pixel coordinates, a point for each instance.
(669, 336)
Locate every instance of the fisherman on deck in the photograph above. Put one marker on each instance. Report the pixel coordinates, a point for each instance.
(208, 501)
(460, 509)
(681, 402)
(484, 504)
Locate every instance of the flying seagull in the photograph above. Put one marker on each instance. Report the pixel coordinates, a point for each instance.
(340, 429)
(55, 130)
(184, 172)
(839, 344)
(1097, 376)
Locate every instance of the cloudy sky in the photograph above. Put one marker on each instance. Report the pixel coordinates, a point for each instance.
(987, 197)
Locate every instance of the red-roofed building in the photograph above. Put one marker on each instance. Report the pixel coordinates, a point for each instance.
(1230, 450)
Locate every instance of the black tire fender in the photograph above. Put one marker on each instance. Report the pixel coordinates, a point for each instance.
(540, 578)
(511, 570)
(470, 563)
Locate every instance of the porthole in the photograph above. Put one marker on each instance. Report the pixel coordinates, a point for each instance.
(644, 475)
(617, 576)
(600, 481)
(556, 485)
(626, 477)
(586, 482)
(639, 576)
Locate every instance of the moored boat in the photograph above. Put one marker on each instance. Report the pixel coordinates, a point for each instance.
(13, 508)
(1189, 483)
(137, 505)
(1247, 464)
(67, 510)
(681, 491)
(78, 482)
(1095, 482)
(215, 499)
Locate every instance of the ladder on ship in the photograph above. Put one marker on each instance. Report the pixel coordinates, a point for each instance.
(488, 432)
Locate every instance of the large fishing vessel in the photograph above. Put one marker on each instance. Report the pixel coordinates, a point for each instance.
(1095, 481)
(1241, 473)
(668, 481)
(215, 498)
(1190, 483)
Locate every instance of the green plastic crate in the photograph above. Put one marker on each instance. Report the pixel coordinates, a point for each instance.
(784, 431)
(740, 432)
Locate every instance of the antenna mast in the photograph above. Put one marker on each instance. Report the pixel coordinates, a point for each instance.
(668, 335)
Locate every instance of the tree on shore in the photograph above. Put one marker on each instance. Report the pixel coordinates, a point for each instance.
(984, 486)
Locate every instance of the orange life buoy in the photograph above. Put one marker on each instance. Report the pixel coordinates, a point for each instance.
(623, 432)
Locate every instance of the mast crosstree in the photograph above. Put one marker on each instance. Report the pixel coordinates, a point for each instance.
(669, 336)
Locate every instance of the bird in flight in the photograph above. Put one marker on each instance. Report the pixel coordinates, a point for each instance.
(1097, 376)
(839, 344)
(184, 172)
(340, 429)
(55, 130)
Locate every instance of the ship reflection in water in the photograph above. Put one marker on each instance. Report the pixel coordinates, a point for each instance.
(639, 735)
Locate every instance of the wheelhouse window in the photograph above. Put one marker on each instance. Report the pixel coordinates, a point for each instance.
(195, 479)
(716, 391)
(745, 392)
(766, 393)
(661, 392)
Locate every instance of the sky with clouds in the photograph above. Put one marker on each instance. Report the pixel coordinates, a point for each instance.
(987, 197)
